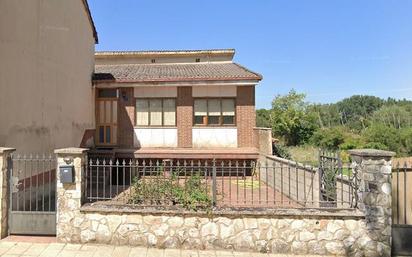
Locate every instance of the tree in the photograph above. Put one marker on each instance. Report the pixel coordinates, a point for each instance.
(356, 109)
(291, 119)
(263, 118)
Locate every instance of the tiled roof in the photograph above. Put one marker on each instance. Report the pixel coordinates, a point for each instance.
(105, 54)
(173, 72)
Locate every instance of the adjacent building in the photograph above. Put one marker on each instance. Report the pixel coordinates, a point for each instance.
(46, 66)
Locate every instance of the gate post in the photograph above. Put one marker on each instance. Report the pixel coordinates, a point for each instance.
(372, 170)
(69, 195)
(5, 165)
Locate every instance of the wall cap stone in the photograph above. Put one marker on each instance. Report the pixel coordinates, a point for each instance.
(6, 150)
(71, 150)
(121, 208)
(371, 153)
(262, 128)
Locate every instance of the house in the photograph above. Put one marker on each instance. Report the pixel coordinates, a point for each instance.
(46, 66)
(175, 104)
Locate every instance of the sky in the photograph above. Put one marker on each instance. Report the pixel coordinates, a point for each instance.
(327, 49)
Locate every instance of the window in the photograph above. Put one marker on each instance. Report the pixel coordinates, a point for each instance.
(155, 112)
(107, 93)
(214, 112)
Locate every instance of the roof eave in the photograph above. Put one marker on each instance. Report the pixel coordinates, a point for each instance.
(256, 80)
(89, 15)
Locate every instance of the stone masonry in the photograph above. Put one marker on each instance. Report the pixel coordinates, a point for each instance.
(360, 232)
(373, 172)
(5, 155)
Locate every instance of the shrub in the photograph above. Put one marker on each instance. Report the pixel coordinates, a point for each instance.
(329, 138)
(162, 190)
(281, 151)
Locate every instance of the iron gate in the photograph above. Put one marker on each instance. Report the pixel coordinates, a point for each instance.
(33, 194)
(401, 209)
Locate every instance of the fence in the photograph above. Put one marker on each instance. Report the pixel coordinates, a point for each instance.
(194, 184)
(402, 193)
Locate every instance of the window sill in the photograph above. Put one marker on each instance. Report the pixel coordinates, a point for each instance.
(155, 127)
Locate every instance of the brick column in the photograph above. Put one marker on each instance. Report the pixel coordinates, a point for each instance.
(69, 196)
(373, 172)
(184, 116)
(5, 162)
(245, 115)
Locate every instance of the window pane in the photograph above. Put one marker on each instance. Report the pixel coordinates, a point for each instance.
(228, 120)
(142, 112)
(214, 107)
(200, 120)
(101, 134)
(213, 120)
(108, 135)
(228, 107)
(103, 93)
(200, 107)
(114, 115)
(155, 108)
(169, 112)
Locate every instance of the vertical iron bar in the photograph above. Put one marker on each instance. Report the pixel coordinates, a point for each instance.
(281, 183)
(297, 181)
(50, 183)
(404, 194)
(43, 185)
(214, 183)
(397, 193)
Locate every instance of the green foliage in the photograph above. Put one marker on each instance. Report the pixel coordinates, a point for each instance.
(354, 122)
(291, 119)
(329, 138)
(281, 151)
(263, 118)
(382, 137)
(161, 190)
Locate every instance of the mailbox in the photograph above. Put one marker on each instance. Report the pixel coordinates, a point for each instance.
(67, 174)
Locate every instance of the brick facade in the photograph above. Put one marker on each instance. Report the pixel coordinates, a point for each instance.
(184, 121)
(245, 115)
(126, 118)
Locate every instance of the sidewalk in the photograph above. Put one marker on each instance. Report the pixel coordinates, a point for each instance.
(51, 249)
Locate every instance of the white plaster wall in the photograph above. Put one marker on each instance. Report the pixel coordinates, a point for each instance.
(155, 92)
(214, 91)
(214, 137)
(155, 137)
(46, 64)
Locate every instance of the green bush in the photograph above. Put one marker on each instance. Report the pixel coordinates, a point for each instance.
(161, 190)
(281, 151)
(382, 137)
(329, 138)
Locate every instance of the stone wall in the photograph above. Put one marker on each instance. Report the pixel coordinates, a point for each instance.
(316, 234)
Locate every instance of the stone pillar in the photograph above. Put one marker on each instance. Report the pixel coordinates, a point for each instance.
(372, 170)
(69, 196)
(5, 162)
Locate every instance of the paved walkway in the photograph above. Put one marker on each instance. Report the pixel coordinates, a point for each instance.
(42, 248)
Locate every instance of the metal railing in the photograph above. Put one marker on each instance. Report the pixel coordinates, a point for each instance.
(33, 182)
(402, 193)
(194, 184)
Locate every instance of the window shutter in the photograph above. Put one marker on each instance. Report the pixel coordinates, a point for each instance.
(155, 106)
(169, 112)
(142, 112)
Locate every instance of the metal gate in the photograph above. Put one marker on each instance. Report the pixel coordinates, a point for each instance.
(401, 209)
(33, 195)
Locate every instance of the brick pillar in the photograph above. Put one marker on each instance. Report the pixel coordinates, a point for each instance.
(245, 115)
(69, 196)
(373, 170)
(5, 163)
(184, 116)
(126, 118)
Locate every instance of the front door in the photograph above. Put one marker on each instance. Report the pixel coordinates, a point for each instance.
(106, 117)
